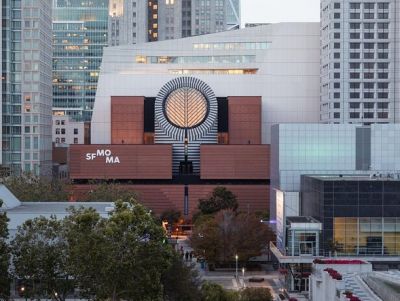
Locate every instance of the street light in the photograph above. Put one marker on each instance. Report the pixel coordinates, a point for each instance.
(236, 257)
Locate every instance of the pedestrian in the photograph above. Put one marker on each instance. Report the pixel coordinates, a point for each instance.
(191, 256)
(187, 256)
(182, 251)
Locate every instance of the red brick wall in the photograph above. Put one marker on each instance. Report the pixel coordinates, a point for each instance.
(234, 161)
(159, 198)
(127, 119)
(136, 162)
(244, 119)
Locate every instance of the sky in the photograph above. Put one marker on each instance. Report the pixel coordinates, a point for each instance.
(274, 11)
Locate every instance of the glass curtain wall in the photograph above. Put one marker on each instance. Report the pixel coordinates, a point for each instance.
(80, 33)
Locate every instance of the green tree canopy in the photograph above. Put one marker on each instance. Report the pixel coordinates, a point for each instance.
(4, 256)
(39, 258)
(256, 294)
(219, 239)
(221, 198)
(110, 192)
(122, 257)
(31, 188)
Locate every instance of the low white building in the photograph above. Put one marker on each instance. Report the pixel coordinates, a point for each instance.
(67, 131)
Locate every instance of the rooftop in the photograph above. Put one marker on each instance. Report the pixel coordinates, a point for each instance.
(395, 177)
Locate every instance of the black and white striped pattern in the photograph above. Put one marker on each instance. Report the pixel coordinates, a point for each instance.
(205, 132)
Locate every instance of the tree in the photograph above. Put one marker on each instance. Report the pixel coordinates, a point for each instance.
(219, 239)
(31, 188)
(181, 282)
(110, 192)
(256, 294)
(39, 258)
(122, 257)
(172, 216)
(4, 256)
(221, 198)
(215, 292)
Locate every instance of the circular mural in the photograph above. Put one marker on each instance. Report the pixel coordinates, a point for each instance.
(186, 106)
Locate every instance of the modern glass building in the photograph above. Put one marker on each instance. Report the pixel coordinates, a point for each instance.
(79, 35)
(360, 214)
(26, 87)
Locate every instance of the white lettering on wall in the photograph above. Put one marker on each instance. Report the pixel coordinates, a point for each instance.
(110, 159)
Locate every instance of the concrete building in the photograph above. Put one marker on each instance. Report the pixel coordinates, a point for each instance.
(278, 62)
(175, 109)
(26, 87)
(80, 33)
(67, 131)
(359, 61)
(132, 21)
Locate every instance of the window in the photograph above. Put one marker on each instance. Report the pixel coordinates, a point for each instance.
(336, 55)
(383, 95)
(354, 75)
(369, 55)
(354, 95)
(369, 105)
(369, 16)
(57, 122)
(355, 25)
(368, 115)
(354, 5)
(336, 15)
(355, 65)
(57, 140)
(369, 5)
(368, 75)
(369, 65)
(62, 131)
(368, 35)
(383, 25)
(383, 115)
(354, 15)
(383, 16)
(383, 75)
(354, 85)
(336, 115)
(354, 45)
(336, 25)
(369, 85)
(336, 95)
(383, 35)
(57, 131)
(62, 122)
(336, 75)
(354, 35)
(336, 45)
(75, 140)
(354, 105)
(383, 55)
(336, 85)
(336, 65)
(368, 95)
(383, 105)
(354, 55)
(384, 5)
(383, 85)
(383, 65)
(369, 45)
(369, 25)
(336, 5)
(354, 115)
(62, 140)
(336, 105)
(75, 131)
(336, 35)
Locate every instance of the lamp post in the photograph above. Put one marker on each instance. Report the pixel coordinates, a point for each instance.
(243, 276)
(236, 257)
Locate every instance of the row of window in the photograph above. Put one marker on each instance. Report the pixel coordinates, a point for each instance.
(62, 140)
(367, 35)
(141, 59)
(366, 105)
(232, 46)
(365, 115)
(367, 16)
(369, 65)
(62, 131)
(366, 95)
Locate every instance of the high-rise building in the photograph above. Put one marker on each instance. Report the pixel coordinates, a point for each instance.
(359, 42)
(80, 31)
(26, 87)
(233, 14)
(132, 21)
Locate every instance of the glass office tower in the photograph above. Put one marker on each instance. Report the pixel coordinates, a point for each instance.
(80, 33)
(26, 87)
